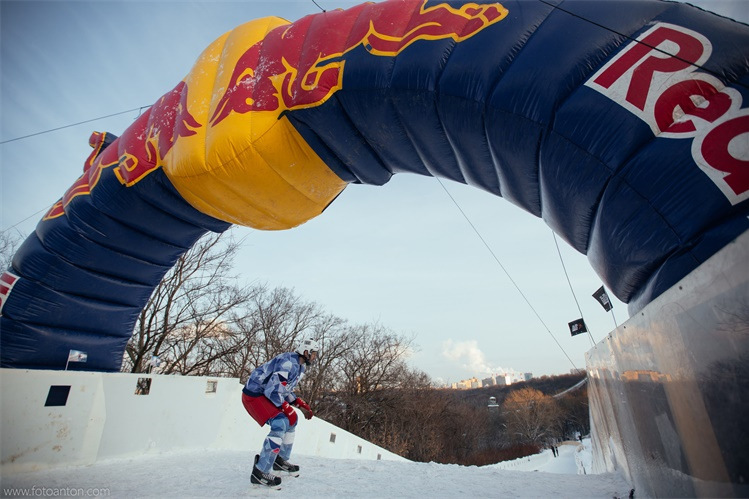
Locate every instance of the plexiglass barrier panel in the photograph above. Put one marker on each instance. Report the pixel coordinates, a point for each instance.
(668, 399)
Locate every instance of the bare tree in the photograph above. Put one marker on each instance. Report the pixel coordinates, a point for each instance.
(463, 428)
(334, 336)
(415, 420)
(240, 356)
(370, 381)
(192, 317)
(10, 240)
(373, 360)
(530, 415)
(284, 320)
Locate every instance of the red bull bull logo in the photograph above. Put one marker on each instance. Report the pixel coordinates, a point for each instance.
(143, 146)
(300, 66)
(294, 66)
(167, 120)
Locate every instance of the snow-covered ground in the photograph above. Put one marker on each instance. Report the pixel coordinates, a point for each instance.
(226, 474)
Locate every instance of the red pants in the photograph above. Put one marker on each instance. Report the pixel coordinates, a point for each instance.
(260, 408)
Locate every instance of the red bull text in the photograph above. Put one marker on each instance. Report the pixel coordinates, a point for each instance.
(678, 101)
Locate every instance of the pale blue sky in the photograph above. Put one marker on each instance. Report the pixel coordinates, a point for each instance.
(401, 254)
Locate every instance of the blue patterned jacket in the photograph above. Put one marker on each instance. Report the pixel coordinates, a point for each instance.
(276, 379)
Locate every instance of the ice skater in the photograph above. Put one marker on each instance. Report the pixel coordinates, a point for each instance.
(268, 397)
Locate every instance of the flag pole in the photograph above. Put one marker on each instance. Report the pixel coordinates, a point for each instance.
(612, 315)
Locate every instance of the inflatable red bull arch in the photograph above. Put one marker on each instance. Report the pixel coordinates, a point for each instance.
(624, 125)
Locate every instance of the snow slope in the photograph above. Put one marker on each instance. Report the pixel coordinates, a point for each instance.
(222, 473)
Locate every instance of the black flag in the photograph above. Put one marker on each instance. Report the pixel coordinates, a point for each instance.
(603, 299)
(577, 327)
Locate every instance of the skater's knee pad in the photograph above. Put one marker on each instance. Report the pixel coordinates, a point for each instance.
(274, 443)
(288, 437)
(279, 425)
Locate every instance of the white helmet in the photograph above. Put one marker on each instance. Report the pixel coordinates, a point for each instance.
(308, 345)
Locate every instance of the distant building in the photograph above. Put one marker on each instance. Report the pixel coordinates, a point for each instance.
(465, 384)
(503, 379)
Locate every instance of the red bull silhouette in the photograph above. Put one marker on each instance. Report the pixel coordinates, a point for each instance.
(302, 67)
(154, 133)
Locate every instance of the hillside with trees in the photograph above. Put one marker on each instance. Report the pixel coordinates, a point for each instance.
(425, 424)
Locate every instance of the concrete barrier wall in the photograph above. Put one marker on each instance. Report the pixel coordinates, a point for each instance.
(668, 389)
(103, 417)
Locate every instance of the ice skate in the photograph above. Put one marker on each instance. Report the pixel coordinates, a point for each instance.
(261, 478)
(283, 465)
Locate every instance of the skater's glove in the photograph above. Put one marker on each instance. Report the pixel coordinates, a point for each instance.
(304, 407)
(289, 412)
